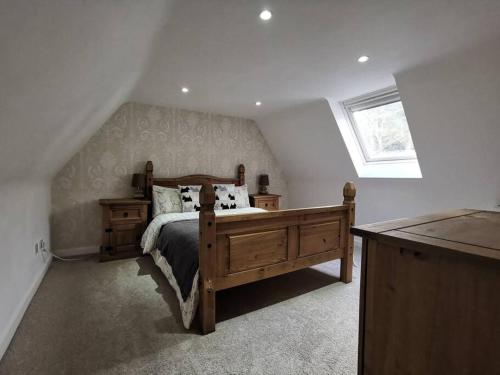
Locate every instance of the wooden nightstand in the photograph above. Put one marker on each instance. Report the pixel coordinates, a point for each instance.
(123, 223)
(270, 202)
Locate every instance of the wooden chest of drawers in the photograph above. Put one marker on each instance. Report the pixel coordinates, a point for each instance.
(430, 295)
(123, 223)
(270, 202)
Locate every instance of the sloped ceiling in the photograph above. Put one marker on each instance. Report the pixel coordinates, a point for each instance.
(453, 109)
(66, 65)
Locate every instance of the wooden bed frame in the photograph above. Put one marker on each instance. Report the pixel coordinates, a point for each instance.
(240, 249)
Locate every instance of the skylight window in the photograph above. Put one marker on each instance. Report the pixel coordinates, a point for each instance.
(377, 135)
(380, 125)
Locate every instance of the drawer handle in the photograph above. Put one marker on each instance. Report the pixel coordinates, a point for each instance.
(266, 204)
(125, 214)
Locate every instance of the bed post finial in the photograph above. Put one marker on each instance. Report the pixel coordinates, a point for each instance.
(207, 198)
(208, 259)
(349, 192)
(346, 262)
(241, 174)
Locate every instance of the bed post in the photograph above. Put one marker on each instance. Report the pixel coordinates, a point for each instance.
(149, 179)
(347, 260)
(207, 259)
(149, 188)
(241, 174)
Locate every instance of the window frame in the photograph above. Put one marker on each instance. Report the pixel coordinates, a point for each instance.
(372, 100)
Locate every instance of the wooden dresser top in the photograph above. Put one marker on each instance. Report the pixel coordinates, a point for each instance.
(468, 231)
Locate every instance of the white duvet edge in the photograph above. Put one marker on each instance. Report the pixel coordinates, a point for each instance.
(188, 307)
(148, 243)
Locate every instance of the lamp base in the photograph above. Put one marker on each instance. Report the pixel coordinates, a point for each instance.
(139, 194)
(263, 189)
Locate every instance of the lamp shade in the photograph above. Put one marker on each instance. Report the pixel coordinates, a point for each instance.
(264, 180)
(138, 180)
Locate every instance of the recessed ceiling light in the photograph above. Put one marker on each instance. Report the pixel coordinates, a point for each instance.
(265, 15)
(185, 90)
(258, 103)
(363, 59)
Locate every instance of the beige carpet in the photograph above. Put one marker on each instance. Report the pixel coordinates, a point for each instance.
(122, 317)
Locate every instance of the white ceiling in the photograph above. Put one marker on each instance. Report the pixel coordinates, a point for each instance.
(230, 58)
(66, 65)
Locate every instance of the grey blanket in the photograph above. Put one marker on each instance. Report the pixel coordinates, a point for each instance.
(178, 243)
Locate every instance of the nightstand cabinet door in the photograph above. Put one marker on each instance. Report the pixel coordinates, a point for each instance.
(126, 237)
(124, 222)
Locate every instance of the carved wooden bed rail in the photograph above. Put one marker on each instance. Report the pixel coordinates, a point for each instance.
(240, 249)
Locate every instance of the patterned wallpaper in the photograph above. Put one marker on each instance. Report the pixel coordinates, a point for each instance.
(179, 142)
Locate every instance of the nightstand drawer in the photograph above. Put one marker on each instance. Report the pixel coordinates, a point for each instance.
(126, 213)
(267, 204)
(270, 202)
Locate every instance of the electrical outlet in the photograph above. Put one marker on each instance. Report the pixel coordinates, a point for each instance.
(43, 250)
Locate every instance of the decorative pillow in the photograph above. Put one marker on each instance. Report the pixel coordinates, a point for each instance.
(242, 199)
(190, 197)
(166, 200)
(225, 197)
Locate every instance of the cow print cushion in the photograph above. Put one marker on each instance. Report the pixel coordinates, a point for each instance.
(225, 197)
(190, 197)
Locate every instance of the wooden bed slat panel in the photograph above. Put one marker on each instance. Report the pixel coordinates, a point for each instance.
(318, 238)
(248, 251)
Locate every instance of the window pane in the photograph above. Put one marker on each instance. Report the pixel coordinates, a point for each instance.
(384, 132)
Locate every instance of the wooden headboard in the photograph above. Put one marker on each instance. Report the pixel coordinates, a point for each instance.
(194, 179)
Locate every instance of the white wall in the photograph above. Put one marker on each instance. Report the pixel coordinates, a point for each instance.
(24, 220)
(453, 108)
(65, 66)
(179, 142)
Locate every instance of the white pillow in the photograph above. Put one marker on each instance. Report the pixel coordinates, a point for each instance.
(166, 200)
(225, 197)
(242, 199)
(190, 197)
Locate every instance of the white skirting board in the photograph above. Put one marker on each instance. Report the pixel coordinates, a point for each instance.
(11, 326)
(77, 251)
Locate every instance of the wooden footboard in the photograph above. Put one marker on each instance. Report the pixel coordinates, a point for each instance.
(240, 249)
